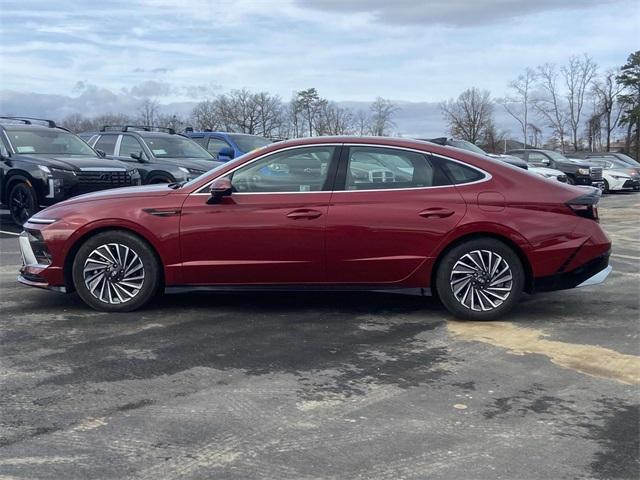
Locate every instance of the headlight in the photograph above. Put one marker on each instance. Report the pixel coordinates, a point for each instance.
(583, 171)
(52, 170)
(45, 169)
(38, 246)
(620, 177)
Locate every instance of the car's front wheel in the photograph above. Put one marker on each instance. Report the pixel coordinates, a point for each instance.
(22, 203)
(116, 271)
(480, 279)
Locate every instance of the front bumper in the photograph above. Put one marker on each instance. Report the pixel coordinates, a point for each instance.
(36, 274)
(591, 273)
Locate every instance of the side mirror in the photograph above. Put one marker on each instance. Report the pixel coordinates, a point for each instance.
(225, 152)
(101, 153)
(137, 156)
(221, 187)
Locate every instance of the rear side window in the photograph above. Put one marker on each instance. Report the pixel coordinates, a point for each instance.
(106, 143)
(459, 173)
(376, 168)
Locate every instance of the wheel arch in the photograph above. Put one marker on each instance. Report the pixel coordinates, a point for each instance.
(82, 238)
(14, 177)
(518, 250)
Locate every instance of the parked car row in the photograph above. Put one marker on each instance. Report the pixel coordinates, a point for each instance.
(42, 163)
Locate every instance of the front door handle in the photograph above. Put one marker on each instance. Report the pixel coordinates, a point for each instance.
(307, 213)
(436, 212)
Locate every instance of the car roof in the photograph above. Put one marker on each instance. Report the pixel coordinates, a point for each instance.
(21, 126)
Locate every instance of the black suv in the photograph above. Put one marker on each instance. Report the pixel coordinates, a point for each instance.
(578, 172)
(161, 155)
(41, 164)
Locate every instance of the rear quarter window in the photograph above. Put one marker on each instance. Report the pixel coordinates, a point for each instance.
(459, 173)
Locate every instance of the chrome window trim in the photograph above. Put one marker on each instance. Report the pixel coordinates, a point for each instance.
(487, 175)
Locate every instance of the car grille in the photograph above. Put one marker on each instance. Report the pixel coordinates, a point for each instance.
(596, 173)
(562, 178)
(90, 181)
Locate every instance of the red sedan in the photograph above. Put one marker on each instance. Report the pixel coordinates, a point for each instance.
(327, 213)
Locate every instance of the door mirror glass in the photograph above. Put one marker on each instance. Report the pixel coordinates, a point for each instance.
(137, 156)
(221, 187)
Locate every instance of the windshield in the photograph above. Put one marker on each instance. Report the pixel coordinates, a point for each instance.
(556, 156)
(48, 142)
(626, 158)
(463, 144)
(247, 143)
(175, 146)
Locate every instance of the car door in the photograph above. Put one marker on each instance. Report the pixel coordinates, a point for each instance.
(270, 230)
(390, 213)
(127, 145)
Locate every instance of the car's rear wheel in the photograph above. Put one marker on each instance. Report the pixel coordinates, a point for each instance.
(606, 187)
(116, 271)
(22, 203)
(480, 279)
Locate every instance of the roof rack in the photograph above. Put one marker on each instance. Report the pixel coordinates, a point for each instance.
(133, 128)
(438, 141)
(30, 120)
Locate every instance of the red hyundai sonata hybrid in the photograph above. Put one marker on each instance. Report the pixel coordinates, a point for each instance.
(327, 213)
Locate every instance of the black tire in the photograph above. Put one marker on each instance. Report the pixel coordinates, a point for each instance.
(570, 180)
(22, 202)
(606, 187)
(116, 242)
(451, 286)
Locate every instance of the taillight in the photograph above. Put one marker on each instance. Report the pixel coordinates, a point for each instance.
(586, 205)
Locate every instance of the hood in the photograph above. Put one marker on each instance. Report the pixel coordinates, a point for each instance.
(77, 162)
(157, 190)
(196, 163)
(545, 170)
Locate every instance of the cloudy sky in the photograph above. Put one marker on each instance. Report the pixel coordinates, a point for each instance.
(350, 50)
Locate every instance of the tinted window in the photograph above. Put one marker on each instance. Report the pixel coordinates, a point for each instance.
(129, 145)
(298, 170)
(372, 168)
(459, 173)
(106, 143)
(175, 146)
(215, 144)
(537, 157)
(247, 143)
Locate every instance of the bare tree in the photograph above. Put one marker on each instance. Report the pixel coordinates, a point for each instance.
(493, 139)
(362, 123)
(606, 90)
(270, 114)
(148, 111)
(205, 116)
(382, 112)
(535, 135)
(171, 120)
(335, 120)
(578, 75)
(469, 115)
(549, 103)
(630, 78)
(76, 122)
(519, 103)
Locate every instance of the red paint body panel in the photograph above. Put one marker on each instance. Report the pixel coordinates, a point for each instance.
(387, 237)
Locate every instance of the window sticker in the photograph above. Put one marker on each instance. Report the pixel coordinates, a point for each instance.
(25, 149)
(159, 151)
(305, 188)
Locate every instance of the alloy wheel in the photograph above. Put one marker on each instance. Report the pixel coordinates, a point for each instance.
(21, 205)
(113, 273)
(481, 280)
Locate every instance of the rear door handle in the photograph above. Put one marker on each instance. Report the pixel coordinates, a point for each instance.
(436, 212)
(307, 213)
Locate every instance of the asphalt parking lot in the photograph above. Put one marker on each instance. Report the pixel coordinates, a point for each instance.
(291, 386)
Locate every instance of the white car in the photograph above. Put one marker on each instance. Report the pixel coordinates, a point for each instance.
(617, 175)
(550, 173)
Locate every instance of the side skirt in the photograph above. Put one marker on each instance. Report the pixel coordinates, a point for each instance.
(422, 292)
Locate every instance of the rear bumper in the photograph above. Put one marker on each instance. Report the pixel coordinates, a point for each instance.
(591, 273)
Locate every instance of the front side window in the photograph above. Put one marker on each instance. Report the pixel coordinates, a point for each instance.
(49, 142)
(297, 170)
(374, 168)
(215, 144)
(248, 143)
(537, 157)
(106, 143)
(129, 145)
(176, 146)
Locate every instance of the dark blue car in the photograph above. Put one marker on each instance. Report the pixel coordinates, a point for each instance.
(226, 146)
